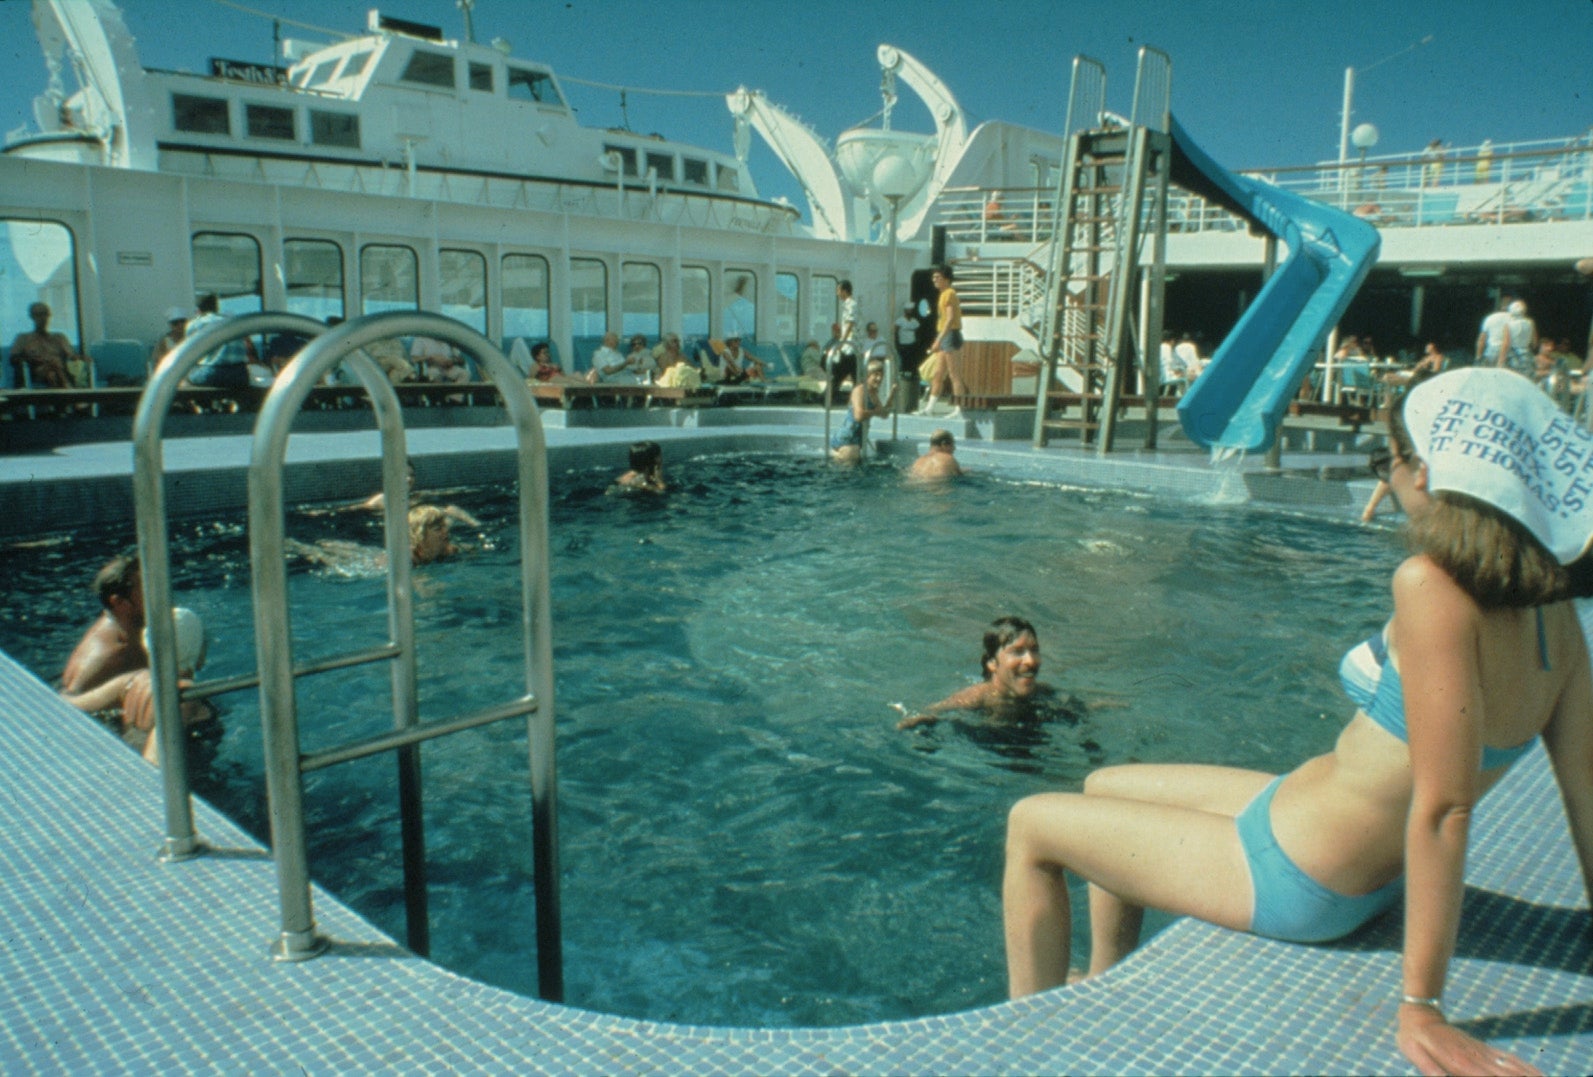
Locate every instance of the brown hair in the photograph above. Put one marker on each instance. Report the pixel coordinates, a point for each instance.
(1490, 554)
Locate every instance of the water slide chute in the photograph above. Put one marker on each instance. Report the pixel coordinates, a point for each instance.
(1240, 399)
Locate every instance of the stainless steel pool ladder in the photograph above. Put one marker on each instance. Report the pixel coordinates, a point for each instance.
(276, 677)
(829, 402)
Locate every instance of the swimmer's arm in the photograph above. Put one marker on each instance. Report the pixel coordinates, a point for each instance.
(970, 698)
(1436, 635)
(454, 512)
(101, 696)
(1569, 740)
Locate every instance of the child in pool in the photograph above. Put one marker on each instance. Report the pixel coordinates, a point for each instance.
(647, 470)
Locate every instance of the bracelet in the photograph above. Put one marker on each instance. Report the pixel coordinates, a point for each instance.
(1415, 1000)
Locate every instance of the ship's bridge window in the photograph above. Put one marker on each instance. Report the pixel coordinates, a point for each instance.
(729, 179)
(663, 164)
(228, 264)
(481, 77)
(334, 129)
(525, 297)
(696, 300)
(627, 156)
(356, 63)
(268, 121)
(430, 69)
(312, 270)
(40, 268)
(201, 115)
(389, 278)
(462, 287)
(694, 171)
(323, 72)
(528, 85)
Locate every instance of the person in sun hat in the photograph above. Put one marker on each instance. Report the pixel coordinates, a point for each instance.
(1484, 656)
(176, 329)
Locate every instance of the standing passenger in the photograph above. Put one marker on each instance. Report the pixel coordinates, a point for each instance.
(948, 343)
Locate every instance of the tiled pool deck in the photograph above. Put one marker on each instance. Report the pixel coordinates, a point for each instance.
(113, 962)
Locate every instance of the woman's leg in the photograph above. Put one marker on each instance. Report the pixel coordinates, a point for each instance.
(958, 386)
(1160, 852)
(1115, 923)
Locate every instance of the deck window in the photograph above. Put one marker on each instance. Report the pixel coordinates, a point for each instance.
(588, 306)
(334, 129)
(525, 297)
(694, 171)
(826, 307)
(741, 304)
(228, 265)
(356, 63)
(696, 301)
(641, 300)
(429, 69)
(627, 156)
(481, 77)
(312, 271)
(462, 287)
(729, 179)
(663, 164)
(323, 72)
(41, 268)
(201, 115)
(389, 278)
(528, 85)
(787, 302)
(267, 121)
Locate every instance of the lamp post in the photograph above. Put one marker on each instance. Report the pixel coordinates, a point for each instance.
(1365, 137)
(893, 179)
(1349, 98)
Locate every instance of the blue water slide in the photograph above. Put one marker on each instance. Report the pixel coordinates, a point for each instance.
(1240, 399)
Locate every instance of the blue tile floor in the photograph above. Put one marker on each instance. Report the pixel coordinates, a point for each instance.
(113, 962)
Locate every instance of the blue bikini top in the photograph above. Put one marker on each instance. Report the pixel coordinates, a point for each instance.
(1372, 683)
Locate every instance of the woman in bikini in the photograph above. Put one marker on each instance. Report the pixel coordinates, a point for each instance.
(1483, 655)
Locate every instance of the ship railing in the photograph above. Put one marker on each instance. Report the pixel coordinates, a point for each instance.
(995, 214)
(1012, 288)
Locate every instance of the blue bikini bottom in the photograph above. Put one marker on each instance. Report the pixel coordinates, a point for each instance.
(1290, 905)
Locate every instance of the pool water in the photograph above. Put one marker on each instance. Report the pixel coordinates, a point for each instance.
(746, 838)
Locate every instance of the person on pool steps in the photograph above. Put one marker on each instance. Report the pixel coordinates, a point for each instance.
(1484, 654)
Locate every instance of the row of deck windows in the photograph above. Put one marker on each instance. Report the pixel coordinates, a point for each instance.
(213, 116)
(693, 170)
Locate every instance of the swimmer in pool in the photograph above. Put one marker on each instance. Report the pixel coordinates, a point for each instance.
(377, 502)
(430, 539)
(112, 647)
(647, 471)
(847, 443)
(1484, 655)
(1011, 689)
(940, 462)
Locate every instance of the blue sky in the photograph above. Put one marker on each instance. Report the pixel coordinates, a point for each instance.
(1256, 83)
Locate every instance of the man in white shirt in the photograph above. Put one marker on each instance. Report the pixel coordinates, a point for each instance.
(844, 363)
(609, 366)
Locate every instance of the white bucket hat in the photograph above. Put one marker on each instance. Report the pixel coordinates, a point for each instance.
(1493, 435)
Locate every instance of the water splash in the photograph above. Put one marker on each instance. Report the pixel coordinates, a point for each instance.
(1228, 462)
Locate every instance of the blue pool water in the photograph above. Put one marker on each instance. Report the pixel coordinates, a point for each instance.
(747, 840)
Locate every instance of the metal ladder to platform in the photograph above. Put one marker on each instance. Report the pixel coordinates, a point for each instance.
(277, 675)
(1112, 194)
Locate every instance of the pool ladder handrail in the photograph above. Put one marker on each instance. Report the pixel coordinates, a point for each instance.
(285, 763)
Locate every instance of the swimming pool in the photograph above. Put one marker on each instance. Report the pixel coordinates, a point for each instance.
(746, 838)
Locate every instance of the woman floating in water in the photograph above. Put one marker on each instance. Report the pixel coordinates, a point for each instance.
(1484, 654)
(1011, 689)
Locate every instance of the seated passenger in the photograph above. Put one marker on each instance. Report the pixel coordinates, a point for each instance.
(176, 327)
(1484, 654)
(46, 356)
(940, 462)
(609, 366)
(545, 370)
(438, 361)
(1011, 688)
(113, 645)
(811, 362)
(639, 360)
(647, 470)
(734, 365)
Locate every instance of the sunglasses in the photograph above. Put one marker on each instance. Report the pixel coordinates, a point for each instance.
(1380, 462)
